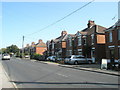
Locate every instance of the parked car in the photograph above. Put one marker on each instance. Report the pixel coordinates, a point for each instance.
(59, 59)
(27, 56)
(77, 59)
(51, 58)
(5, 57)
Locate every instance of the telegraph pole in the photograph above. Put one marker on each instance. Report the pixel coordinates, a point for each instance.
(23, 47)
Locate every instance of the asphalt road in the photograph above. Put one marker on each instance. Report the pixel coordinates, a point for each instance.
(29, 74)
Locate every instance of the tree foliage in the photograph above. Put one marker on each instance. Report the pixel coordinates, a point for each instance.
(10, 49)
(3, 50)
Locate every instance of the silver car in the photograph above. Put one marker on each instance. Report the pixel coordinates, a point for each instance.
(51, 58)
(77, 59)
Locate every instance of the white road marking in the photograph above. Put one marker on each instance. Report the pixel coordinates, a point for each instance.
(61, 75)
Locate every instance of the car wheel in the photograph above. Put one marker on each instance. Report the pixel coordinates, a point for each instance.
(89, 62)
(76, 62)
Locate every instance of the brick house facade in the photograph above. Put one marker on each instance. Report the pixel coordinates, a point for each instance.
(38, 48)
(113, 42)
(69, 44)
(90, 42)
(57, 46)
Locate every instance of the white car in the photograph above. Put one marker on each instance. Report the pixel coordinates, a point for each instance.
(51, 58)
(27, 56)
(5, 57)
(77, 59)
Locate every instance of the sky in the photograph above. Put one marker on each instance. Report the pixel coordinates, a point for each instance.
(29, 18)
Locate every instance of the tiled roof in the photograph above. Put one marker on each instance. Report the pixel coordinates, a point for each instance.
(83, 33)
(84, 30)
(42, 44)
(112, 27)
(100, 29)
(66, 36)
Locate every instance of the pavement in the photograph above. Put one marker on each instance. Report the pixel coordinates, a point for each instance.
(90, 67)
(5, 80)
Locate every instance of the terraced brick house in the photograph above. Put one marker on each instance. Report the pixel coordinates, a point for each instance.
(69, 40)
(57, 46)
(113, 43)
(32, 48)
(78, 44)
(90, 42)
(38, 48)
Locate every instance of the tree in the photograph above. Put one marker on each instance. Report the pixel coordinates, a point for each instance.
(3, 50)
(12, 49)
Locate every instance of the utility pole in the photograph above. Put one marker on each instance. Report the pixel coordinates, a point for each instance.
(23, 47)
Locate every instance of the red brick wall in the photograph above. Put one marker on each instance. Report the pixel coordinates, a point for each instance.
(114, 43)
(40, 50)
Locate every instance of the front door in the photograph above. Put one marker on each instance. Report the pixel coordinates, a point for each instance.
(112, 56)
(93, 55)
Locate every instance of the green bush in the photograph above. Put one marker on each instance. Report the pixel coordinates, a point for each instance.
(37, 56)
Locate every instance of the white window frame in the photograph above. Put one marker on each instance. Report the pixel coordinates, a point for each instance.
(70, 52)
(79, 40)
(110, 36)
(70, 42)
(52, 45)
(92, 36)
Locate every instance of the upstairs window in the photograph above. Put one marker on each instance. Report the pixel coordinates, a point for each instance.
(79, 41)
(70, 42)
(52, 45)
(84, 40)
(70, 52)
(110, 36)
(92, 39)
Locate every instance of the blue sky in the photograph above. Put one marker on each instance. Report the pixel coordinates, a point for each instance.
(25, 18)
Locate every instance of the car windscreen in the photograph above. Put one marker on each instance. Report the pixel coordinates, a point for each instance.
(79, 57)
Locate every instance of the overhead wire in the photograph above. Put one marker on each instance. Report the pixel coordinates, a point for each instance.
(61, 19)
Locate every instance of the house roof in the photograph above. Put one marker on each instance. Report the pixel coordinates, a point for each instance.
(83, 33)
(40, 44)
(117, 24)
(87, 31)
(62, 38)
(84, 30)
(67, 35)
(57, 39)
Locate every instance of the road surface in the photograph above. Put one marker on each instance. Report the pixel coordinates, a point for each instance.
(30, 74)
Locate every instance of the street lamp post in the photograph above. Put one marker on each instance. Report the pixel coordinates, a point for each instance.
(23, 47)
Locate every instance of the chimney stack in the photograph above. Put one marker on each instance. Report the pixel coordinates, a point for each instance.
(33, 43)
(90, 23)
(63, 33)
(40, 40)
